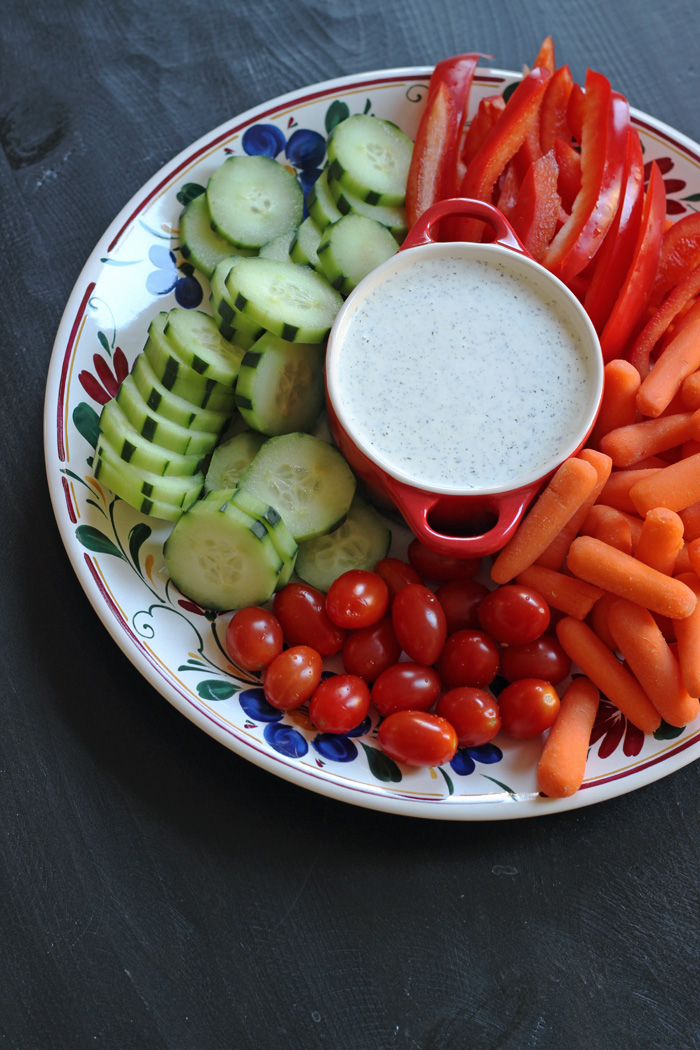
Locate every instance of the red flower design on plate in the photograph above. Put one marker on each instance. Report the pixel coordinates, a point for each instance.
(665, 165)
(611, 727)
(105, 385)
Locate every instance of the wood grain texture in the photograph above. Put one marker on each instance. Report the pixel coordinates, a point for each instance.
(156, 891)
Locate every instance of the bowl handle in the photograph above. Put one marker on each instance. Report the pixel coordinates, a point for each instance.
(465, 207)
(416, 507)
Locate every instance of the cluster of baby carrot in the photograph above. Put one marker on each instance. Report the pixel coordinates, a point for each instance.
(613, 544)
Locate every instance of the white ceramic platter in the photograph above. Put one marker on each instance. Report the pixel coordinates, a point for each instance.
(136, 271)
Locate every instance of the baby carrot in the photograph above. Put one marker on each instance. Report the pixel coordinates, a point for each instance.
(616, 491)
(623, 575)
(661, 539)
(627, 445)
(562, 764)
(604, 669)
(565, 492)
(614, 528)
(690, 391)
(679, 359)
(618, 407)
(649, 657)
(555, 554)
(676, 300)
(565, 593)
(598, 619)
(677, 486)
(597, 515)
(693, 549)
(690, 516)
(688, 639)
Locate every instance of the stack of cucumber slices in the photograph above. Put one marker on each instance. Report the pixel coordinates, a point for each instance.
(212, 428)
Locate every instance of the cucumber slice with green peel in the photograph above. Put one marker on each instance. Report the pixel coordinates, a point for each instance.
(347, 203)
(235, 327)
(156, 427)
(131, 447)
(163, 402)
(199, 244)
(361, 541)
(146, 492)
(252, 199)
(290, 300)
(199, 343)
(231, 459)
(306, 479)
(280, 386)
(370, 157)
(221, 557)
(320, 203)
(285, 544)
(278, 248)
(304, 247)
(351, 248)
(176, 375)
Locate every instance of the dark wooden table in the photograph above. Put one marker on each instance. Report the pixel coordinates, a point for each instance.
(156, 890)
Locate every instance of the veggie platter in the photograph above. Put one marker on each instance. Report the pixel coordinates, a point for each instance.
(137, 271)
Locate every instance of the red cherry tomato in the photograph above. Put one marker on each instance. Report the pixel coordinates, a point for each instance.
(339, 703)
(514, 615)
(460, 600)
(396, 574)
(469, 657)
(357, 598)
(370, 650)
(528, 707)
(440, 567)
(417, 738)
(544, 658)
(406, 686)
(473, 712)
(301, 610)
(419, 623)
(254, 638)
(292, 677)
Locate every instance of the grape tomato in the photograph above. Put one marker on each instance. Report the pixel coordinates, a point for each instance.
(543, 658)
(292, 677)
(396, 574)
(469, 657)
(339, 703)
(357, 598)
(473, 712)
(513, 614)
(253, 638)
(406, 686)
(419, 623)
(460, 600)
(301, 610)
(370, 650)
(417, 738)
(528, 707)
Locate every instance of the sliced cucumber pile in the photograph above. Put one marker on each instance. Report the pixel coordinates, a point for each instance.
(231, 459)
(359, 543)
(280, 387)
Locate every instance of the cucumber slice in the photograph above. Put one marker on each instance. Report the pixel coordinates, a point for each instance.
(394, 217)
(305, 479)
(146, 492)
(252, 199)
(320, 203)
(280, 387)
(304, 247)
(371, 158)
(361, 541)
(278, 248)
(221, 557)
(231, 459)
(246, 331)
(164, 403)
(155, 427)
(199, 244)
(289, 300)
(177, 376)
(351, 248)
(200, 344)
(131, 447)
(285, 544)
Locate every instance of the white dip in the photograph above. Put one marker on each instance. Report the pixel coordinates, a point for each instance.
(459, 375)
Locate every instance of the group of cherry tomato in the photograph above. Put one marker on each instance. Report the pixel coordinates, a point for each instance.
(424, 658)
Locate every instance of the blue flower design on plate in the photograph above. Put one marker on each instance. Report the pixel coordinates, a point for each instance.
(286, 740)
(304, 150)
(466, 758)
(168, 277)
(256, 706)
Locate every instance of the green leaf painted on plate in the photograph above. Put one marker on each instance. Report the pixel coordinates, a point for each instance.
(188, 193)
(500, 784)
(448, 781)
(96, 541)
(336, 113)
(104, 342)
(216, 690)
(692, 197)
(87, 422)
(137, 537)
(667, 732)
(381, 766)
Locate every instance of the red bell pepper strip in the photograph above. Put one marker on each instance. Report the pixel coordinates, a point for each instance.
(680, 252)
(674, 303)
(534, 217)
(569, 164)
(637, 285)
(603, 147)
(575, 111)
(613, 260)
(488, 112)
(554, 121)
(432, 172)
(500, 145)
(545, 56)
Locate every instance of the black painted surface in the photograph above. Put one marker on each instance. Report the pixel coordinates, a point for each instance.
(156, 891)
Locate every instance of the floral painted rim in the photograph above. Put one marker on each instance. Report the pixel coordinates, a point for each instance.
(503, 802)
